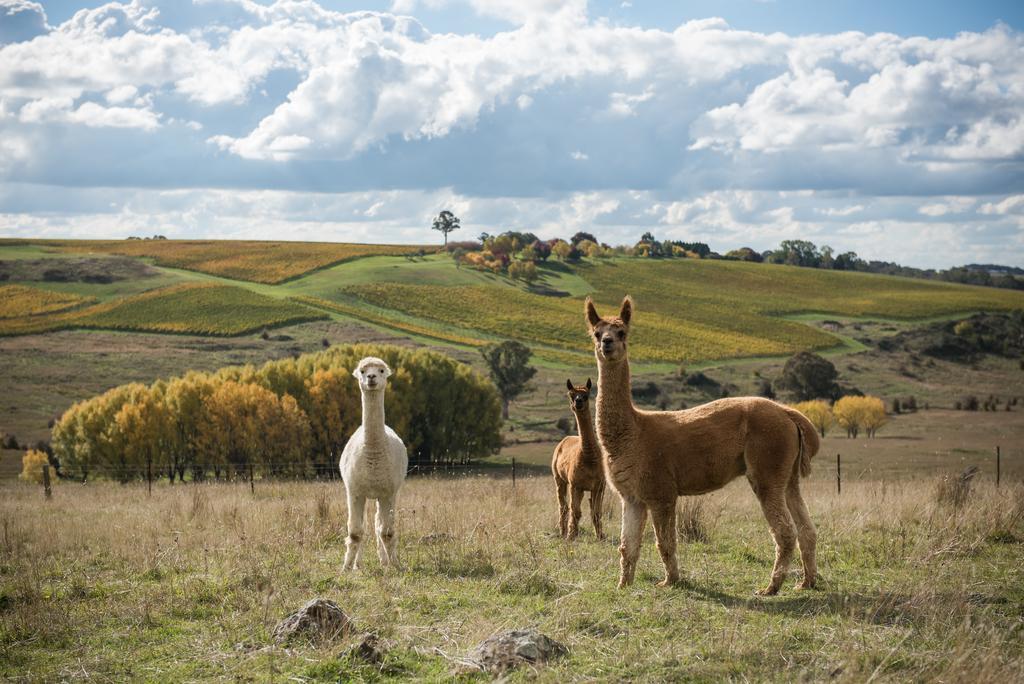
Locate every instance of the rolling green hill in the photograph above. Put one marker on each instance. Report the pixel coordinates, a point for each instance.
(688, 310)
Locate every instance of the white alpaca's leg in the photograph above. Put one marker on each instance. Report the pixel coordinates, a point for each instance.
(387, 537)
(353, 544)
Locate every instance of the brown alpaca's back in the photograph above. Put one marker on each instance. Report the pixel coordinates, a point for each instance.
(699, 450)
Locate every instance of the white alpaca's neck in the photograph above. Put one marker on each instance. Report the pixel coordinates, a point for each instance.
(615, 411)
(373, 417)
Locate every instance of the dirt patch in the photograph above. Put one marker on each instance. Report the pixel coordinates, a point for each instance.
(75, 270)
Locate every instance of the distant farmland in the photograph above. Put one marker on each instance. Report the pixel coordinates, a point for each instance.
(689, 310)
(251, 260)
(200, 309)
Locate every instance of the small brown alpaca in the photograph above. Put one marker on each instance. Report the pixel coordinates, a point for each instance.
(577, 468)
(654, 457)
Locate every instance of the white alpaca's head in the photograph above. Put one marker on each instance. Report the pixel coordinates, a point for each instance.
(372, 374)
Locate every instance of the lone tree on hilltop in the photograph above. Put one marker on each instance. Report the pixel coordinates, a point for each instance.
(446, 222)
(809, 376)
(507, 364)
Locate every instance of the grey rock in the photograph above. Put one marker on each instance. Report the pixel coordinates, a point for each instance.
(319, 620)
(507, 650)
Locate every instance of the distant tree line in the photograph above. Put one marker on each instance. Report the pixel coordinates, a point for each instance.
(517, 253)
(807, 254)
(288, 418)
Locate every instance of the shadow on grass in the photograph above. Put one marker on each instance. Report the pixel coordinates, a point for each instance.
(873, 607)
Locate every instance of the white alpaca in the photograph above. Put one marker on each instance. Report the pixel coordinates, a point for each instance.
(373, 466)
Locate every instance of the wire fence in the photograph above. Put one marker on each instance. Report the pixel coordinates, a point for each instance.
(290, 471)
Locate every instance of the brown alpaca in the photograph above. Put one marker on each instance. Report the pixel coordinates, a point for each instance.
(653, 457)
(577, 468)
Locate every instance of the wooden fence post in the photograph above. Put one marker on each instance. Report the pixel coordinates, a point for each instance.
(513, 471)
(997, 466)
(839, 474)
(252, 479)
(46, 480)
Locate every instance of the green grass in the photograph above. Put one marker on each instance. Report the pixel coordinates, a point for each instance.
(107, 582)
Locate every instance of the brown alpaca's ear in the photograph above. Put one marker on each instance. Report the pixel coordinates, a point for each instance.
(568, 384)
(593, 318)
(627, 309)
(588, 384)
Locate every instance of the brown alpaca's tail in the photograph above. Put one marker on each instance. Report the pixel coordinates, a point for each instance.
(809, 440)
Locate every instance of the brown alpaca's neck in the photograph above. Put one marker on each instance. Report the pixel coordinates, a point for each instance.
(616, 414)
(588, 437)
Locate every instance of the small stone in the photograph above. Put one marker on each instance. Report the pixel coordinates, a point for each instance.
(318, 620)
(369, 650)
(507, 650)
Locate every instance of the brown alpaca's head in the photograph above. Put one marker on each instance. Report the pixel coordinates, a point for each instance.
(578, 396)
(609, 334)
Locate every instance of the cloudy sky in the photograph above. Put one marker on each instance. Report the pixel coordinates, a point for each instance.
(895, 130)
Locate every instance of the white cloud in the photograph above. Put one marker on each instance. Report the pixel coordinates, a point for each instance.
(579, 156)
(952, 205)
(1010, 205)
(841, 211)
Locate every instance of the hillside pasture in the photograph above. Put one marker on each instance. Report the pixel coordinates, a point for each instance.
(19, 301)
(558, 322)
(743, 294)
(249, 260)
(105, 582)
(201, 309)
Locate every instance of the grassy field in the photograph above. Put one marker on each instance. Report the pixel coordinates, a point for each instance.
(201, 309)
(251, 260)
(104, 582)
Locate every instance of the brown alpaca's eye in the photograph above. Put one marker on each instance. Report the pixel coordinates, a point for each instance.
(597, 336)
(622, 335)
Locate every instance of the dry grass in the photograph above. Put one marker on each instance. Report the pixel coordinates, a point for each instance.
(107, 583)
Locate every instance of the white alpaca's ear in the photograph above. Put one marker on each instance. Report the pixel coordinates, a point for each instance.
(357, 374)
(387, 370)
(593, 318)
(627, 309)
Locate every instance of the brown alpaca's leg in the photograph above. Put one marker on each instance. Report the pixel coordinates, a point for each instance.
(634, 517)
(664, 519)
(805, 531)
(773, 503)
(575, 502)
(563, 507)
(596, 508)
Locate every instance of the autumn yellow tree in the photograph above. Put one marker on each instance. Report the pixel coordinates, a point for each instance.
(860, 413)
(334, 412)
(874, 415)
(145, 431)
(32, 467)
(818, 412)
